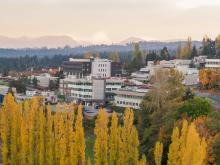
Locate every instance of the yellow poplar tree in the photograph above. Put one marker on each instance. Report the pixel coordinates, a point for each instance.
(40, 149)
(129, 141)
(6, 127)
(71, 114)
(158, 153)
(173, 155)
(14, 142)
(134, 147)
(101, 142)
(114, 141)
(24, 140)
(57, 134)
(143, 160)
(193, 150)
(49, 137)
(183, 138)
(79, 137)
(32, 131)
(89, 161)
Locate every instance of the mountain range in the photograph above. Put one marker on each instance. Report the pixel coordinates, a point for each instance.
(54, 42)
(65, 45)
(39, 42)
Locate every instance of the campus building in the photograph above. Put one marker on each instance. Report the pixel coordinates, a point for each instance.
(130, 97)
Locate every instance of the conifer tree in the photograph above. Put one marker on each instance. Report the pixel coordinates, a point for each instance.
(101, 142)
(158, 153)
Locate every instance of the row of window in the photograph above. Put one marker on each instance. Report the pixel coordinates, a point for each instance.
(82, 96)
(80, 83)
(80, 89)
(102, 70)
(130, 97)
(102, 65)
(213, 63)
(127, 103)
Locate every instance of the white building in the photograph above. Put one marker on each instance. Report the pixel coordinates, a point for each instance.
(113, 84)
(191, 77)
(86, 89)
(101, 68)
(142, 75)
(212, 63)
(44, 80)
(130, 97)
(203, 61)
(90, 89)
(31, 93)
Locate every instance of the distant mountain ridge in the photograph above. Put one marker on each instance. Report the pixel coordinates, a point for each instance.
(39, 42)
(79, 50)
(62, 41)
(131, 40)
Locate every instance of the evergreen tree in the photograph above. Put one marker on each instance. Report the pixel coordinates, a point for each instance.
(164, 54)
(194, 52)
(217, 46)
(208, 47)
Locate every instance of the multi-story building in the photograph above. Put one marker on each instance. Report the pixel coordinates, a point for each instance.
(204, 62)
(130, 97)
(142, 75)
(112, 85)
(101, 68)
(77, 67)
(191, 75)
(90, 89)
(44, 80)
(116, 69)
(212, 63)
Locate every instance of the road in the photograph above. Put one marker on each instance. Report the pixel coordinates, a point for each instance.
(214, 99)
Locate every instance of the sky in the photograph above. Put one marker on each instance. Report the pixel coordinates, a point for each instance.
(106, 21)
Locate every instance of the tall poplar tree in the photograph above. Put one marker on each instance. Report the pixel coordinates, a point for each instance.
(158, 153)
(101, 141)
(79, 137)
(114, 141)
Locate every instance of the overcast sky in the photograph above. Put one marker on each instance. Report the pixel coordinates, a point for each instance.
(111, 20)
